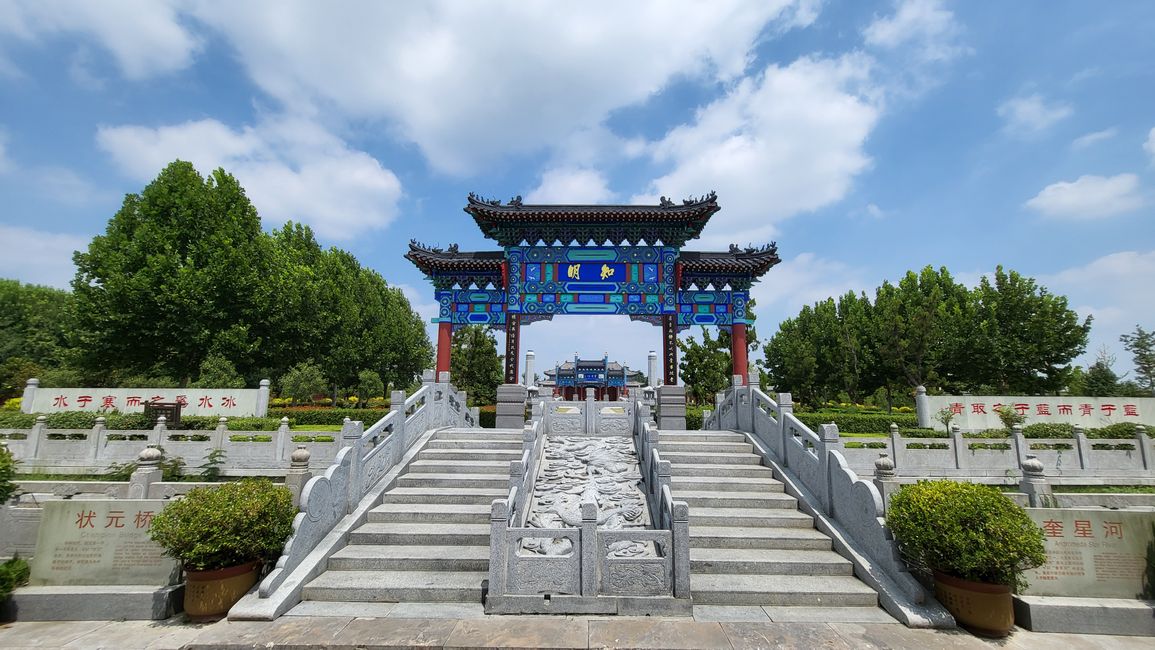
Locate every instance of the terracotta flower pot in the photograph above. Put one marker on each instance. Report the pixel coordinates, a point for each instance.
(982, 608)
(208, 595)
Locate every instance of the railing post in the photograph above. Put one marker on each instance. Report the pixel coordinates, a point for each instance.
(922, 407)
(283, 439)
(220, 434)
(828, 439)
(98, 430)
(896, 443)
(680, 537)
(1144, 444)
(956, 441)
(158, 432)
(36, 436)
(591, 412)
(1020, 444)
(351, 437)
(785, 407)
(147, 472)
(498, 534)
(1035, 484)
(397, 405)
(298, 474)
(589, 548)
(1083, 447)
(262, 409)
(30, 388)
(884, 478)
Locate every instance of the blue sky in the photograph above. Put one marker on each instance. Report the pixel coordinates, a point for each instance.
(866, 138)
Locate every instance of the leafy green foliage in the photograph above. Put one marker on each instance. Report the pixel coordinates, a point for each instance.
(35, 327)
(303, 381)
(13, 573)
(1141, 345)
(227, 525)
(705, 367)
(210, 469)
(474, 364)
(694, 417)
(1049, 430)
(12, 420)
(369, 385)
(969, 531)
(1118, 430)
(1009, 416)
(8, 463)
(218, 372)
(487, 416)
(857, 422)
(326, 416)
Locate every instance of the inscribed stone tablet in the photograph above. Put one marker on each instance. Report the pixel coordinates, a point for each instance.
(100, 543)
(1092, 553)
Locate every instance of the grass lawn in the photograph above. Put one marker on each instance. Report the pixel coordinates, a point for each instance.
(316, 427)
(863, 435)
(1105, 489)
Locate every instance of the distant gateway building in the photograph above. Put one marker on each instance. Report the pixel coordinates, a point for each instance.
(609, 379)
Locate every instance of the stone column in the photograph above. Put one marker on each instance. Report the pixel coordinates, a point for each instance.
(1144, 444)
(1083, 447)
(1020, 442)
(591, 412)
(1035, 484)
(284, 437)
(958, 444)
(147, 472)
(160, 431)
(221, 433)
(922, 407)
(529, 357)
(263, 399)
(896, 443)
(785, 407)
(671, 407)
(884, 479)
(30, 388)
(36, 436)
(591, 559)
(828, 435)
(511, 406)
(512, 345)
(738, 350)
(652, 368)
(298, 473)
(444, 345)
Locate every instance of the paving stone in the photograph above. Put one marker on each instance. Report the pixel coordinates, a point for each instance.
(519, 632)
(656, 633)
(285, 632)
(341, 609)
(46, 633)
(707, 613)
(868, 636)
(438, 610)
(169, 634)
(369, 633)
(829, 615)
(812, 636)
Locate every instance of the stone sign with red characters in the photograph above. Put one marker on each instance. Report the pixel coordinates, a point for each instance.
(1092, 553)
(977, 412)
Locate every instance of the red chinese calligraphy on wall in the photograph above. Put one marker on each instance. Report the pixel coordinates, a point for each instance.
(228, 402)
(132, 400)
(108, 402)
(1130, 410)
(979, 408)
(1042, 409)
(1065, 409)
(60, 401)
(205, 402)
(1053, 528)
(1083, 528)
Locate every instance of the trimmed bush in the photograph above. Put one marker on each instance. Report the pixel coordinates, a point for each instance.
(969, 531)
(487, 416)
(1052, 446)
(1049, 430)
(922, 432)
(324, 416)
(988, 433)
(13, 420)
(694, 417)
(227, 525)
(927, 445)
(865, 445)
(13, 574)
(858, 422)
(1118, 430)
(992, 446)
(8, 465)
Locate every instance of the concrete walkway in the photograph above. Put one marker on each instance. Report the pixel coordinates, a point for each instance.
(465, 626)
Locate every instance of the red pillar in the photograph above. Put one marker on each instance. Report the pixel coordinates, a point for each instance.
(444, 344)
(738, 349)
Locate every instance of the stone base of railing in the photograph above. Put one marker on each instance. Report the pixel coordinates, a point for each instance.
(587, 605)
(510, 406)
(671, 408)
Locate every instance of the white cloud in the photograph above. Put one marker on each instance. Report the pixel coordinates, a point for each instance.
(875, 211)
(1149, 145)
(803, 280)
(571, 186)
(924, 25)
(1095, 137)
(1115, 289)
(146, 37)
(1089, 197)
(5, 162)
(470, 81)
(786, 141)
(291, 168)
(38, 257)
(1024, 116)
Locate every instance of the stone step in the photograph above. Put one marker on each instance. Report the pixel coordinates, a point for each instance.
(747, 589)
(708, 458)
(466, 513)
(691, 468)
(746, 518)
(496, 455)
(768, 561)
(443, 495)
(737, 499)
(463, 466)
(459, 481)
(376, 557)
(474, 434)
(753, 537)
(704, 447)
(724, 484)
(687, 436)
(474, 443)
(397, 586)
(409, 534)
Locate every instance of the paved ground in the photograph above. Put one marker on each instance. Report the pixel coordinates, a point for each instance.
(464, 626)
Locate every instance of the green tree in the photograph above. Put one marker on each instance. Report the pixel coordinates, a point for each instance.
(218, 372)
(303, 381)
(35, 327)
(705, 367)
(1101, 380)
(176, 276)
(1141, 345)
(1023, 338)
(369, 385)
(474, 365)
(918, 326)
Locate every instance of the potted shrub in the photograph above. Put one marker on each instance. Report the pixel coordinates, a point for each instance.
(975, 540)
(224, 536)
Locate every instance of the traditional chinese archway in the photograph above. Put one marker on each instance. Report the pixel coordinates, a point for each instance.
(593, 259)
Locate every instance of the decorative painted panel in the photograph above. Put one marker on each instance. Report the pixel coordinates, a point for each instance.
(591, 280)
(472, 307)
(721, 308)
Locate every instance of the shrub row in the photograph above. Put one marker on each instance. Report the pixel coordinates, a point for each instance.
(694, 417)
(859, 422)
(327, 416)
(1062, 430)
(487, 416)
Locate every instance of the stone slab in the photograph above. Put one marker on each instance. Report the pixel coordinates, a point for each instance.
(1086, 615)
(656, 633)
(45, 634)
(100, 542)
(287, 631)
(368, 633)
(519, 632)
(829, 615)
(438, 610)
(340, 609)
(97, 603)
(171, 634)
(724, 613)
(1092, 552)
(753, 636)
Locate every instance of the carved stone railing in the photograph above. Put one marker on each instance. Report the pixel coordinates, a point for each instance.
(814, 465)
(366, 457)
(597, 570)
(588, 417)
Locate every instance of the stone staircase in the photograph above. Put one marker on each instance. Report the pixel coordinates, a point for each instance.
(749, 543)
(428, 541)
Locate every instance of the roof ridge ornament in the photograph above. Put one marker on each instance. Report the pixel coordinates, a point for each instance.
(705, 198)
(477, 198)
(515, 202)
(665, 203)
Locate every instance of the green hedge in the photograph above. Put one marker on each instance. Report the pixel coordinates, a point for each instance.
(487, 417)
(1049, 430)
(15, 420)
(1119, 430)
(694, 417)
(859, 422)
(327, 416)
